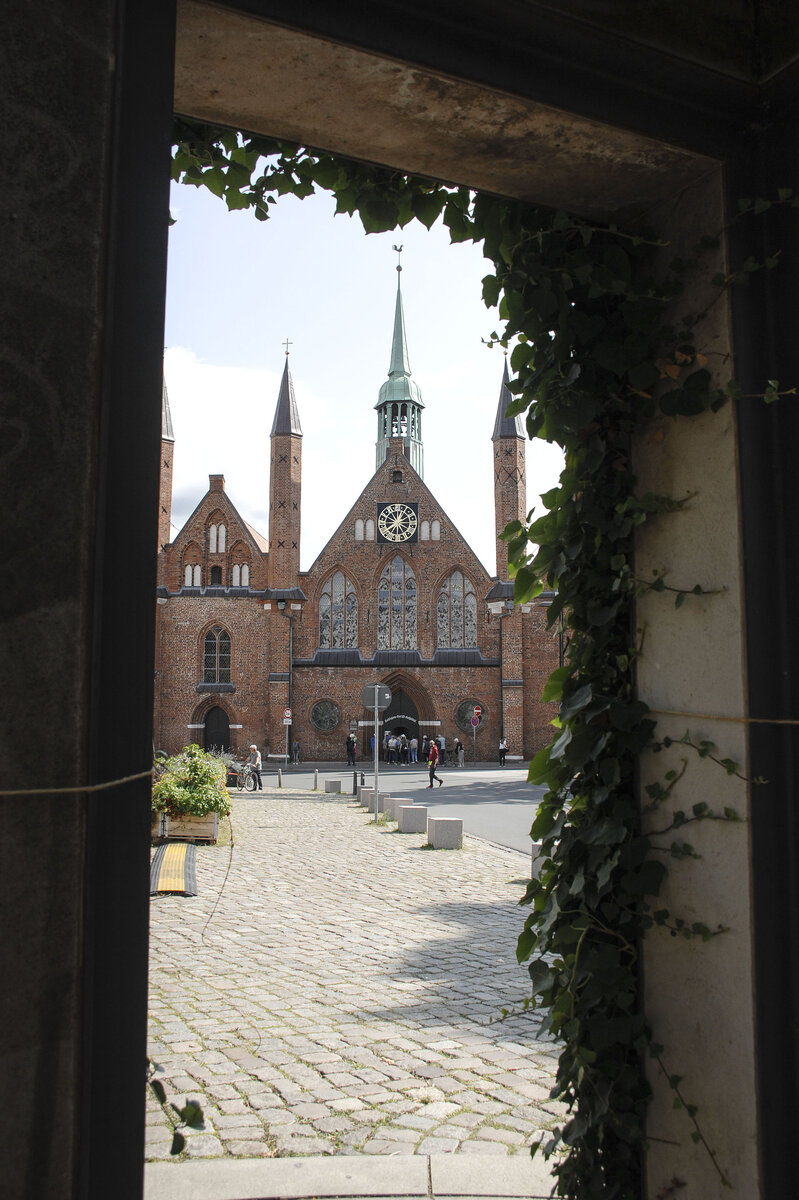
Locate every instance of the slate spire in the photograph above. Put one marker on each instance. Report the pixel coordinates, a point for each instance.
(167, 432)
(505, 427)
(287, 418)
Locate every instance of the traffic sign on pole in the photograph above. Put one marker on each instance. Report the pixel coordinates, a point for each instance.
(286, 714)
(478, 712)
(475, 721)
(376, 695)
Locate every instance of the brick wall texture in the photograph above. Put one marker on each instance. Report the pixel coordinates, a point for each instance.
(504, 673)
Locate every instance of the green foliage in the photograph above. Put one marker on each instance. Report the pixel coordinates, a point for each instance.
(193, 783)
(596, 354)
(190, 1115)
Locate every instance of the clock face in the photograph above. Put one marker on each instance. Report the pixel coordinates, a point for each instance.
(397, 522)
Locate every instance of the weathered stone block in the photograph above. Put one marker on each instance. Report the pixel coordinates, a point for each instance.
(412, 818)
(394, 804)
(445, 833)
(332, 785)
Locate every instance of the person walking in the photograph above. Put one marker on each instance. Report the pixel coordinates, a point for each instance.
(432, 763)
(503, 750)
(350, 748)
(414, 748)
(295, 752)
(425, 747)
(459, 748)
(255, 762)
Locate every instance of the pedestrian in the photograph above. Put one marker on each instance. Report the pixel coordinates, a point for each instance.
(425, 744)
(350, 748)
(432, 763)
(442, 749)
(459, 748)
(255, 762)
(372, 746)
(503, 750)
(414, 746)
(295, 752)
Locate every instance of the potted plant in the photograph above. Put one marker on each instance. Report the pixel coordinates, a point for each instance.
(191, 794)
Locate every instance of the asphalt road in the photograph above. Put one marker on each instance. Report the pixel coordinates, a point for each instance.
(497, 804)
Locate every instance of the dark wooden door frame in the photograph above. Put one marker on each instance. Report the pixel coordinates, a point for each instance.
(753, 132)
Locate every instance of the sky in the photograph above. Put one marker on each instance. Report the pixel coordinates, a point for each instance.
(237, 288)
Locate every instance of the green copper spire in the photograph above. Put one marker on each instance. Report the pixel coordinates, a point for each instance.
(399, 403)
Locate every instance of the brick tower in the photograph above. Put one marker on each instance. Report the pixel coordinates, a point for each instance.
(165, 488)
(285, 487)
(510, 496)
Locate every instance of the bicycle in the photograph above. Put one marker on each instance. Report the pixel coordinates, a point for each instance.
(245, 779)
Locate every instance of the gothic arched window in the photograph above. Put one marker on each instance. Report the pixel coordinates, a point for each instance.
(338, 614)
(212, 539)
(396, 607)
(216, 656)
(216, 576)
(457, 612)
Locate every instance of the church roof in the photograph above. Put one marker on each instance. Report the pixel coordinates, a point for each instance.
(287, 418)
(167, 432)
(399, 388)
(504, 426)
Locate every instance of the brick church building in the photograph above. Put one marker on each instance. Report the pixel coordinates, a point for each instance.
(396, 596)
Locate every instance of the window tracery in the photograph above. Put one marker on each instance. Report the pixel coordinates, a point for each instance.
(338, 614)
(216, 656)
(397, 607)
(456, 613)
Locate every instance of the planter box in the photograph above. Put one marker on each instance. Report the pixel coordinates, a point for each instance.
(193, 829)
(158, 825)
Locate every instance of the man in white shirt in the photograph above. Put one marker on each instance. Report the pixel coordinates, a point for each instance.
(255, 762)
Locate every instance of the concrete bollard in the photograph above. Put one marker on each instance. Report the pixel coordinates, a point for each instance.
(355, 783)
(411, 818)
(445, 833)
(332, 785)
(367, 799)
(279, 777)
(316, 781)
(393, 804)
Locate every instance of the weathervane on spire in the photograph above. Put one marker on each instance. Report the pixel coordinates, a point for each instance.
(287, 343)
(399, 252)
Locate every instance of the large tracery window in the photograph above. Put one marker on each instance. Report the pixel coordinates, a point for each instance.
(216, 656)
(396, 607)
(457, 612)
(338, 614)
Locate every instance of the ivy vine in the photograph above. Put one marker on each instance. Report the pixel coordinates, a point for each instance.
(597, 355)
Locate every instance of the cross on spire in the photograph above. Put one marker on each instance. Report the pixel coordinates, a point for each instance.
(287, 343)
(399, 253)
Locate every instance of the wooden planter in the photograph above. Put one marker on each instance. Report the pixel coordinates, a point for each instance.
(187, 828)
(158, 825)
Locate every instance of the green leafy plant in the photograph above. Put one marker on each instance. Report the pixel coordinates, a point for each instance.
(192, 783)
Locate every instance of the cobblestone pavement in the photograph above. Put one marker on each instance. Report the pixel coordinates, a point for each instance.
(343, 999)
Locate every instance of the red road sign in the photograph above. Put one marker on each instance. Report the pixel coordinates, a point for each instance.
(477, 710)
(286, 714)
(475, 722)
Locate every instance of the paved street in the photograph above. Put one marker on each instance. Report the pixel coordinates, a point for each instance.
(343, 999)
(497, 804)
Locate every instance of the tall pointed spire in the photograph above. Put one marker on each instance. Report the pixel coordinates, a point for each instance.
(399, 403)
(505, 426)
(510, 491)
(167, 432)
(287, 417)
(285, 487)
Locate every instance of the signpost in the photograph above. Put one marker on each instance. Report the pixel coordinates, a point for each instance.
(287, 723)
(376, 696)
(475, 722)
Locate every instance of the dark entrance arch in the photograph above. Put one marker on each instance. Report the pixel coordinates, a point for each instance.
(216, 734)
(402, 715)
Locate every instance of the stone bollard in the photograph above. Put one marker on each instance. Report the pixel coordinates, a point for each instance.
(367, 799)
(394, 804)
(355, 783)
(411, 818)
(445, 833)
(332, 785)
(279, 777)
(316, 781)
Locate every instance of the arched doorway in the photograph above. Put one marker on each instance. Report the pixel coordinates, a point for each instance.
(402, 715)
(216, 730)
